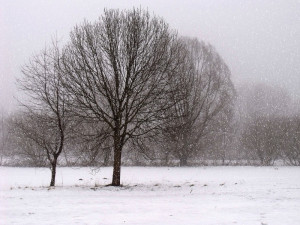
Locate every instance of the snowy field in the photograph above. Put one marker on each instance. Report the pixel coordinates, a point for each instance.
(206, 195)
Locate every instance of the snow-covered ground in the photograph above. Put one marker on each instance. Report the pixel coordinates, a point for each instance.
(206, 195)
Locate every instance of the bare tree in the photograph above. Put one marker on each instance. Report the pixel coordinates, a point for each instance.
(262, 140)
(221, 140)
(117, 71)
(5, 140)
(47, 117)
(264, 110)
(291, 140)
(205, 90)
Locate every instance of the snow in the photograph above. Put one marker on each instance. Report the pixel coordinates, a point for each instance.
(204, 195)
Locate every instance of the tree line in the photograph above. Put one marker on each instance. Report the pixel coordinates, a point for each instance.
(127, 89)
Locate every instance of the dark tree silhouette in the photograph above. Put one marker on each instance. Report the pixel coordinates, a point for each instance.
(117, 71)
(47, 118)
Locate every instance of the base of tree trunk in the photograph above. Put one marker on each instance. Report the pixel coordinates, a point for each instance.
(116, 179)
(111, 185)
(183, 162)
(116, 183)
(53, 175)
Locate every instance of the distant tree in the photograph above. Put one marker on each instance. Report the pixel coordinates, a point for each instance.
(27, 135)
(142, 151)
(221, 140)
(91, 144)
(5, 141)
(261, 140)
(117, 71)
(205, 91)
(47, 118)
(291, 140)
(262, 109)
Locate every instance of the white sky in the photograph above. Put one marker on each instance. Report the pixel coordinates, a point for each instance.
(259, 40)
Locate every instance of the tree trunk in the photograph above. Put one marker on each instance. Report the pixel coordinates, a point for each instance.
(117, 167)
(184, 153)
(183, 160)
(53, 172)
(117, 158)
(167, 159)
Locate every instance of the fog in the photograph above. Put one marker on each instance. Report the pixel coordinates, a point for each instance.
(259, 40)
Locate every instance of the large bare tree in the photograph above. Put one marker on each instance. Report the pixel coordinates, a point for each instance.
(47, 117)
(117, 70)
(205, 91)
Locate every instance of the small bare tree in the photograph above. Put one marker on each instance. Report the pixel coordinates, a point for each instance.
(47, 117)
(261, 140)
(117, 71)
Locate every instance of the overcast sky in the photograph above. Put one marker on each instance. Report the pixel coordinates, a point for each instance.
(259, 40)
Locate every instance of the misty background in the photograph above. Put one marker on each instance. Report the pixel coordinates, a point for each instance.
(259, 40)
